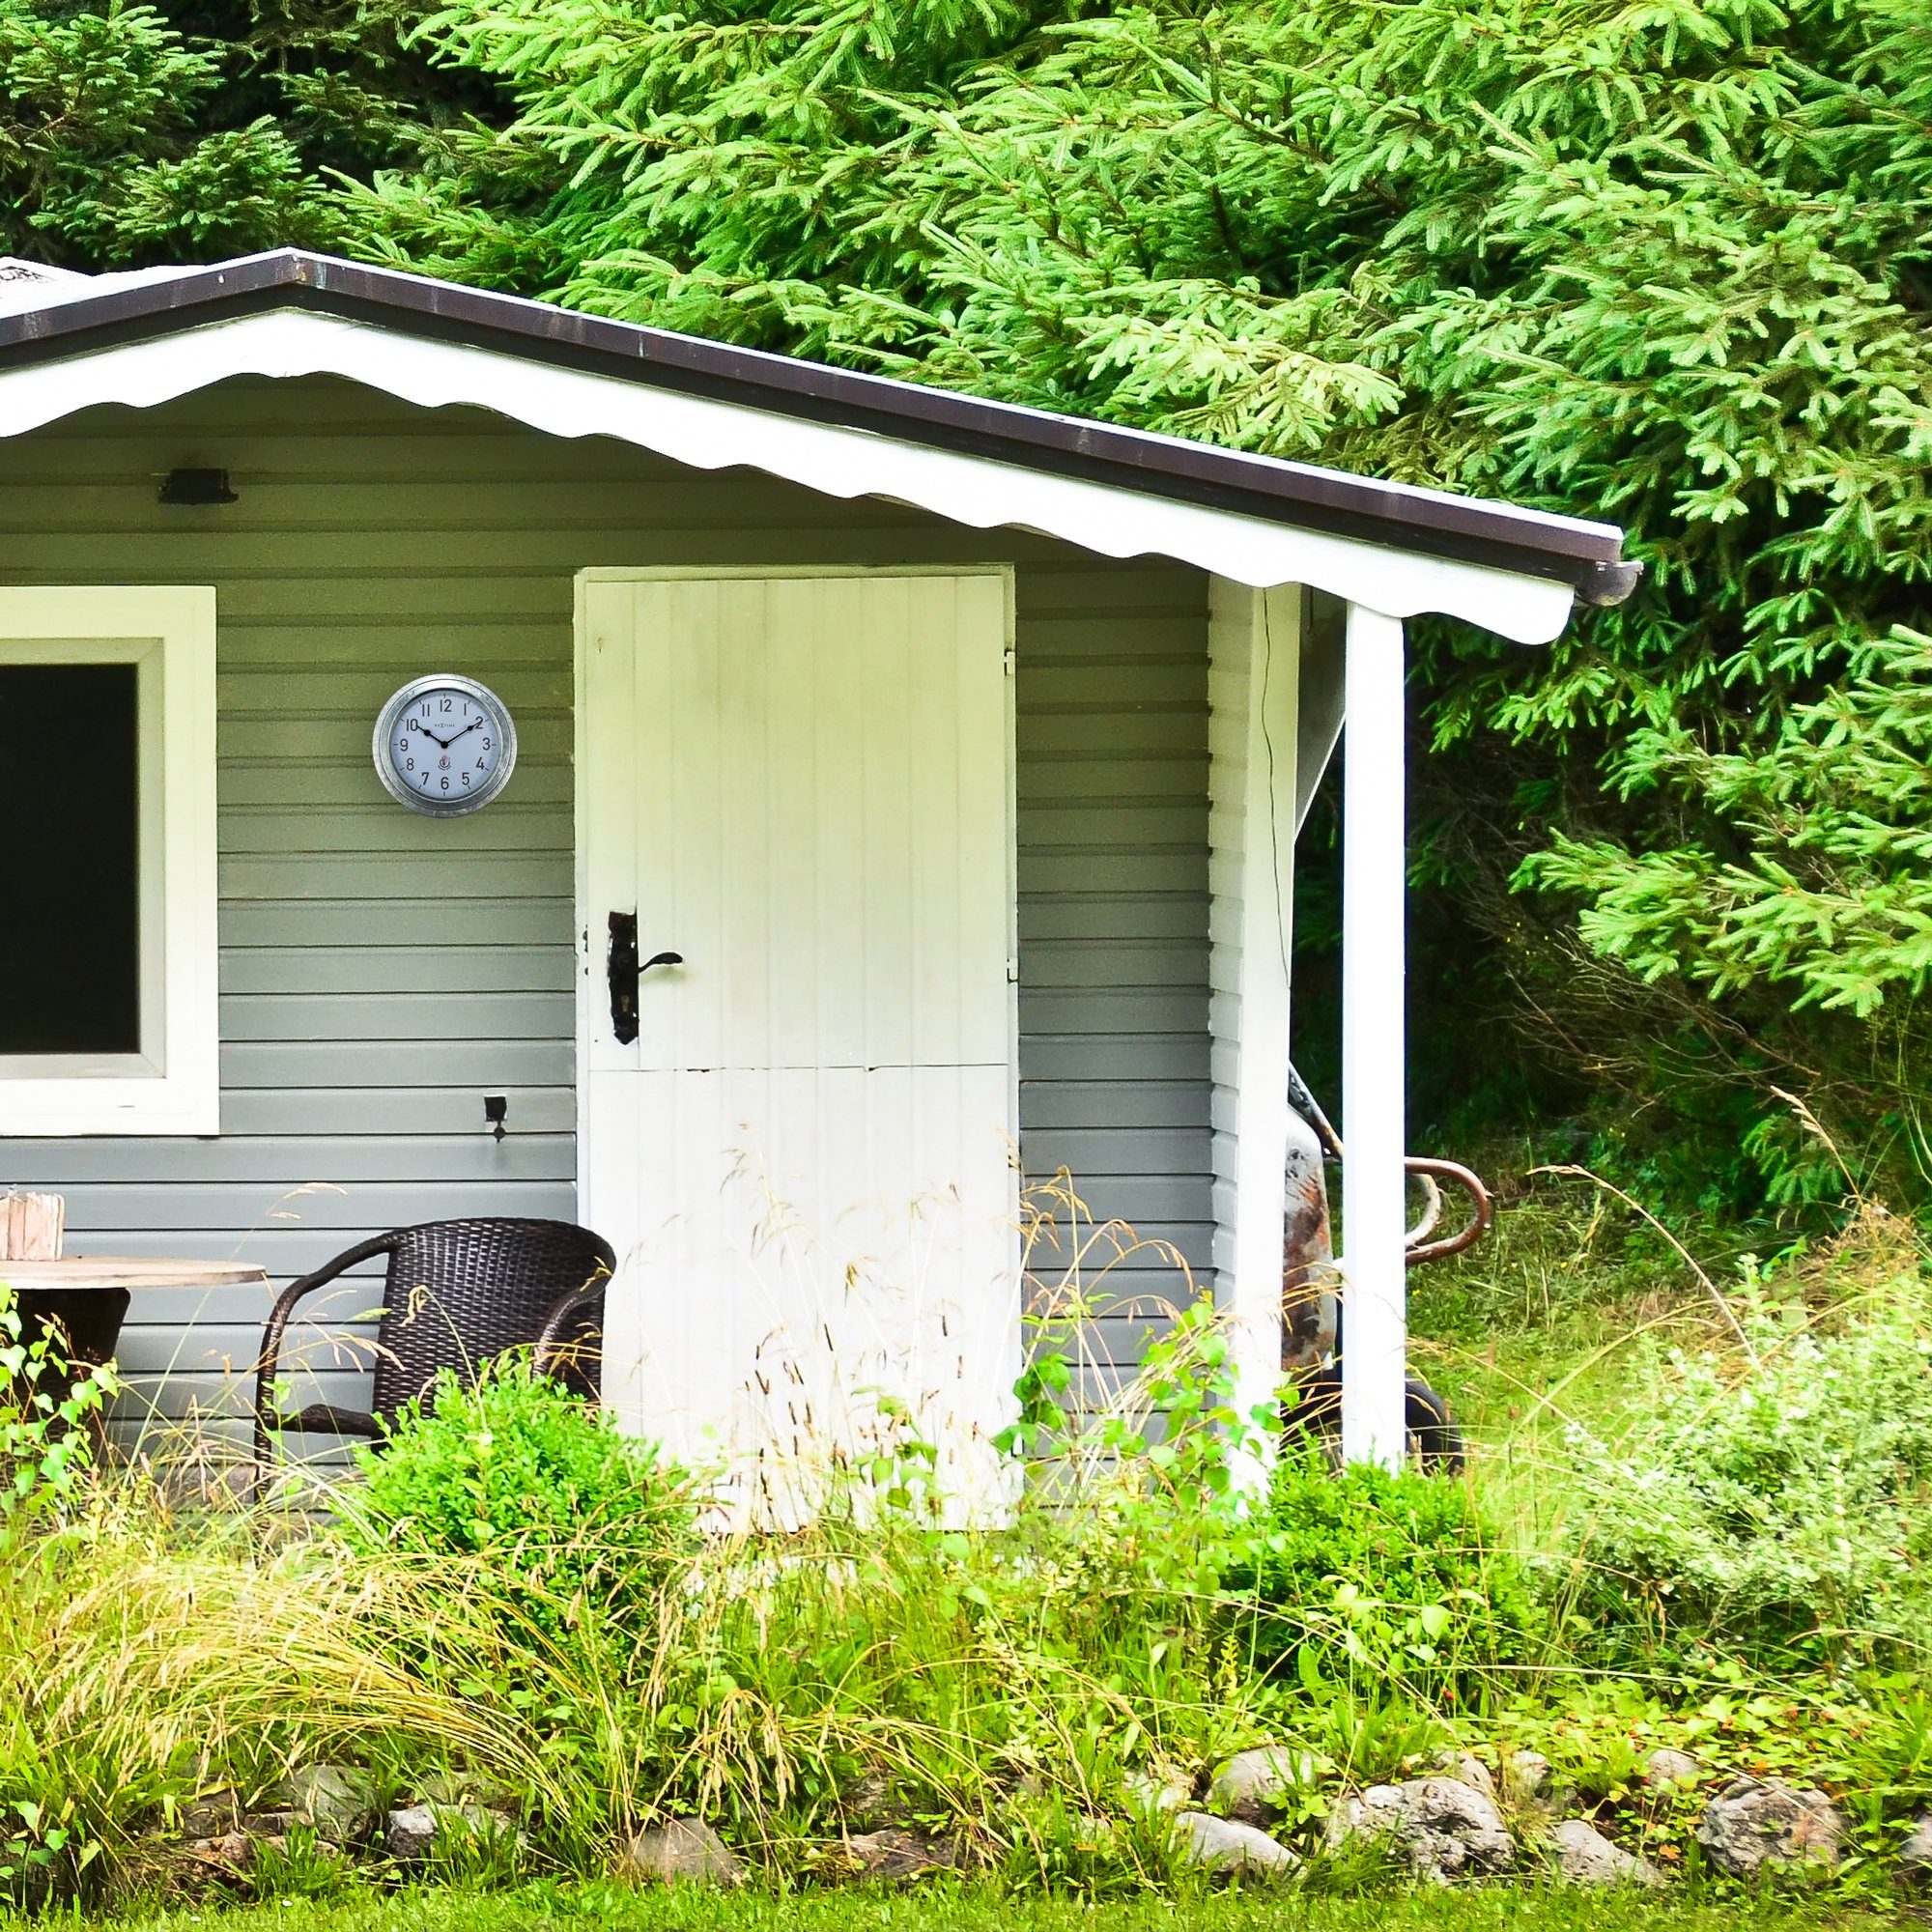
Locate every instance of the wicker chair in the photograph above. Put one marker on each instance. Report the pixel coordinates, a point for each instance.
(458, 1294)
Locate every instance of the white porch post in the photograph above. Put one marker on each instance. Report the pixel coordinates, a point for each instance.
(1374, 1316)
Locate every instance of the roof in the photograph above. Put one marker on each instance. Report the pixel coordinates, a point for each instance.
(54, 314)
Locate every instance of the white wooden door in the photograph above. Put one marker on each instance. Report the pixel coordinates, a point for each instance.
(802, 785)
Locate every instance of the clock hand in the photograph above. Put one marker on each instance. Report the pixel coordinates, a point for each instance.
(446, 743)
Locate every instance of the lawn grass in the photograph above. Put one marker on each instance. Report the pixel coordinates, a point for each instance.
(952, 1909)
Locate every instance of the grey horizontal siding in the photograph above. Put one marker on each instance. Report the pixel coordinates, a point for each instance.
(382, 972)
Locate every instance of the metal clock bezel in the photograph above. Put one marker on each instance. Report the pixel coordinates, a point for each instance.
(399, 703)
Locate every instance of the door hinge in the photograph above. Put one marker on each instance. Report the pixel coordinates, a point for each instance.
(1011, 661)
(1013, 972)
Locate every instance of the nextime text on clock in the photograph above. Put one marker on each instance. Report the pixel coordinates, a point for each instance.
(445, 744)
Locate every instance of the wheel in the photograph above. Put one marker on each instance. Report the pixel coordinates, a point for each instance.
(1435, 1441)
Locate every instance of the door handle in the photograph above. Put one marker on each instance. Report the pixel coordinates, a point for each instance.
(623, 976)
(624, 972)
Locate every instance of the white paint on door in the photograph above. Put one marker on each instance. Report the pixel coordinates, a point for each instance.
(802, 783)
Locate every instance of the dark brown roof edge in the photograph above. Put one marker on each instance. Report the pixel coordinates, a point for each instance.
(1587, 556)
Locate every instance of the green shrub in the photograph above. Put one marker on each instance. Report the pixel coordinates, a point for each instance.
(49, 1410)
(1399, 1571)
(1774, 1499)
(571, 1515)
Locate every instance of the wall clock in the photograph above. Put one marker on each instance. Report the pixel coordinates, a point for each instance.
(445, 744)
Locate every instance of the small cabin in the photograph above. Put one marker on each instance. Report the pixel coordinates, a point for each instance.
(463, 756)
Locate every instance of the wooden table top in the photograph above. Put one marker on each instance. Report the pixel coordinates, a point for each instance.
(107, 1271)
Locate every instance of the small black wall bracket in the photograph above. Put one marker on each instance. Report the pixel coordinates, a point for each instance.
(197, 486)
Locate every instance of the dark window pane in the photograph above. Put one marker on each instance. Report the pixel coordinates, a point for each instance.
(69, 826)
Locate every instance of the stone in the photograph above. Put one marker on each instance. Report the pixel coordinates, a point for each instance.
(1260, 1787)
(408, 1831)
(1157, 1789)
(1915, 1857)
(680, 1851)
(1665, 1767)
(900, 1853)
(1585, 1857)
(228, 1851)
(335, 1801)
(1226, 1848)
(1529, 1777)
(1750, 1828)
(1443, 1826)
(867, 1802)
(213, 1815)
(411, 1830)
(1470, 1771)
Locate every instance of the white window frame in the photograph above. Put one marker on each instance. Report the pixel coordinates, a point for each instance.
(171, 1086)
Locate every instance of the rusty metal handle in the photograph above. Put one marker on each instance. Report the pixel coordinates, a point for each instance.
(1482, 1211)
(1430, 1219)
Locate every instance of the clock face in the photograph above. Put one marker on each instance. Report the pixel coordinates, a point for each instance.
(445, 744)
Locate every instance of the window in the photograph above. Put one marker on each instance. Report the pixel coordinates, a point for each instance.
(107, 940)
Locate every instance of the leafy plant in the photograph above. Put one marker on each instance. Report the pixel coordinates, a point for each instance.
(573, 1516)
(1369, 1573)
(1775, 1496)
(38, 1850)
(50, 1407)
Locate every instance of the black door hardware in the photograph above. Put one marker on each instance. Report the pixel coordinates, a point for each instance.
(625, 973)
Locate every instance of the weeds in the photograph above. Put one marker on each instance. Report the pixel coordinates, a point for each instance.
(1779, 1503)
(519, 1599)
(1392, 1579)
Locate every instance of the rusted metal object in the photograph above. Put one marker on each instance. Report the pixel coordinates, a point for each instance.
(1308, 1280)
(1482, 1211)
(1310, 1283)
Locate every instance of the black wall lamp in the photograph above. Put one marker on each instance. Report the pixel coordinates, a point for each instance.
(197, 486)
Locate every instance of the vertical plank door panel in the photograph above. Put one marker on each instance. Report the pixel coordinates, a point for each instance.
(802, 786)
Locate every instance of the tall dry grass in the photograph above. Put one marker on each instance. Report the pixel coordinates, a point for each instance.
(1005, 1678)
(1006, 1681)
